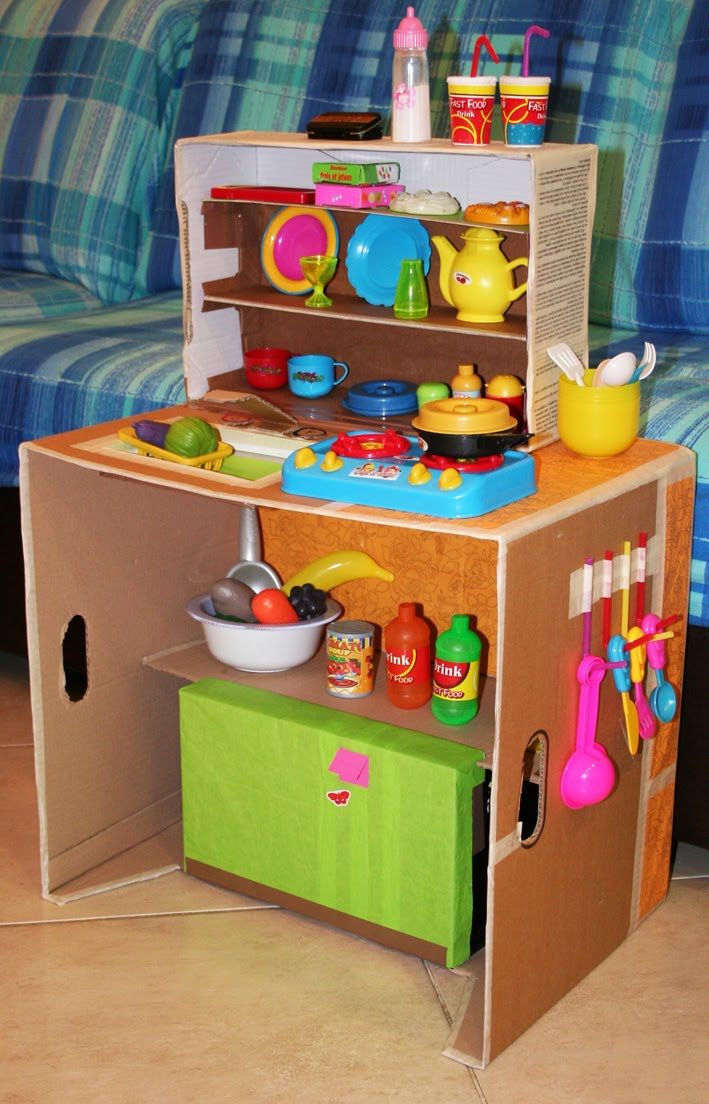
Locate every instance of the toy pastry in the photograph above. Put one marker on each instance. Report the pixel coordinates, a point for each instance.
(505, 213)
(425, 202)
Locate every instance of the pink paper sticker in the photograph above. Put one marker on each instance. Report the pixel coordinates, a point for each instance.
(352, 767)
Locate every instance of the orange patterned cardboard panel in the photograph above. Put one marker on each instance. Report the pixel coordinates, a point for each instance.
(658, 842)
(676, 587)
(445, 573)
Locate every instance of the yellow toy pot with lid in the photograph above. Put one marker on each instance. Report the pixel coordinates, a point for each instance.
(477, 280)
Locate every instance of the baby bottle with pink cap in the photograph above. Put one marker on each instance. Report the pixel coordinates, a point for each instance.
(411, 111)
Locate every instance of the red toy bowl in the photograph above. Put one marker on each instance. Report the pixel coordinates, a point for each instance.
(266, 369)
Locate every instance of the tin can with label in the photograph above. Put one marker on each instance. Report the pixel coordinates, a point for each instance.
(350, 659)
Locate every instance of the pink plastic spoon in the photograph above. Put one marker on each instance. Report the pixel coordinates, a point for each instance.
(647, 725)
(588, 775)
(663, 699)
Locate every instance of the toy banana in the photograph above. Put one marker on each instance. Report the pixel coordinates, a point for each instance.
(338, 567)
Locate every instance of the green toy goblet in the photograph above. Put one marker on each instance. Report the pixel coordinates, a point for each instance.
(318, 271)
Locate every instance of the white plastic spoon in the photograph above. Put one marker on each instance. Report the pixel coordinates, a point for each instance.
(646, 365)
(615, 372)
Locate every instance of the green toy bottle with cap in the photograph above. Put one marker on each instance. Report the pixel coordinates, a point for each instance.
(455, 673)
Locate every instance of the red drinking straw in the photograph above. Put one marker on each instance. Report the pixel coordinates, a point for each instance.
(646, 638)
(607, 596)
(640, 585)
(483, 40)
(525, 55)
(664, 624)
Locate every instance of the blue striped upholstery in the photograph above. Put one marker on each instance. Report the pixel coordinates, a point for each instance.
(88, 93)
(27, 296)
(79, 370)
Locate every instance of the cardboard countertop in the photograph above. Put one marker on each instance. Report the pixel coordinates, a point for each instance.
(565, 481)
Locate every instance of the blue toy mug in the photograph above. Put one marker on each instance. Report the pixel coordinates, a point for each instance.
(312, 376)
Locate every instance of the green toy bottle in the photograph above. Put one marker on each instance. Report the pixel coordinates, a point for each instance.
(455, 673)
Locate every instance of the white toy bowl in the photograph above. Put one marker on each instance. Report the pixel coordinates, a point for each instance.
(260, 648)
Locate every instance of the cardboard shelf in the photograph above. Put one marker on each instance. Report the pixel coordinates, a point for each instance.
(451, 221)
(229, 291)
(193, 661)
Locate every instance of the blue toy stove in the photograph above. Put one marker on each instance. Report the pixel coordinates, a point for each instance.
(392, 471)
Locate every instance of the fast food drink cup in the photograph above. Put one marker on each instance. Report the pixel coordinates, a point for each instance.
(471, 101)
(524, 109)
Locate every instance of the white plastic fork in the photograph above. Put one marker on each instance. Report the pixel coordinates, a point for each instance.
(565, 357)
(646, 365)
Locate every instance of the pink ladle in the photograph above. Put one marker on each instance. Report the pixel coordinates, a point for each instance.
(588, 775)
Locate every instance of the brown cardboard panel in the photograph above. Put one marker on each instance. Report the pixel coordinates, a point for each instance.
(545, 694)
(413, 355)
(399, 941)
(395, 350)
(88, 856)
(246, 223)
(466, 1040)
(222, 225)
(563, 904)
(158, 855)
(656, 858)
(123, 556)
(396, 341)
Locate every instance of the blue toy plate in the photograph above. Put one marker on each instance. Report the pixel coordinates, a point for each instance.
(375, 252)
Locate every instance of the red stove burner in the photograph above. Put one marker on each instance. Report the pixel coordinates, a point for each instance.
(475, 467)
(370, 446)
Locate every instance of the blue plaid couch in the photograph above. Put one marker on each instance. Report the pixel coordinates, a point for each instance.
(93, 94)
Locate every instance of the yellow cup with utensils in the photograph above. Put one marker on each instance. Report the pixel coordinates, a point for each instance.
(597, 421)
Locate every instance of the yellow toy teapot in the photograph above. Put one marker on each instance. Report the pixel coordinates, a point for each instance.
(477, 281)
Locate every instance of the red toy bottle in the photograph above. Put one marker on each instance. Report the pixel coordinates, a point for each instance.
(407, 646)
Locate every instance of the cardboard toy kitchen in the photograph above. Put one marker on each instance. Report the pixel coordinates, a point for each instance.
(119, 542)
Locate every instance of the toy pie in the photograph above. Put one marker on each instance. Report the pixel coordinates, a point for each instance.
(425, 202)
(502, 213)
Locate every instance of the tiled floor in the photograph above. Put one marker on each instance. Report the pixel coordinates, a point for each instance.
(170, 990)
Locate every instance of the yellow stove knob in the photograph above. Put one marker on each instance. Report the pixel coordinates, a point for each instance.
(419, 474)
(331, 462)
(450, 479)
(304, 458)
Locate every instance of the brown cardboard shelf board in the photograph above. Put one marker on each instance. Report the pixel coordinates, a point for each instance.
(191, 662)
(451, 223)
(355, 310)
(124, 544)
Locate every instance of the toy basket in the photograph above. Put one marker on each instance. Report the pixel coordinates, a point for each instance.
(210, 461)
